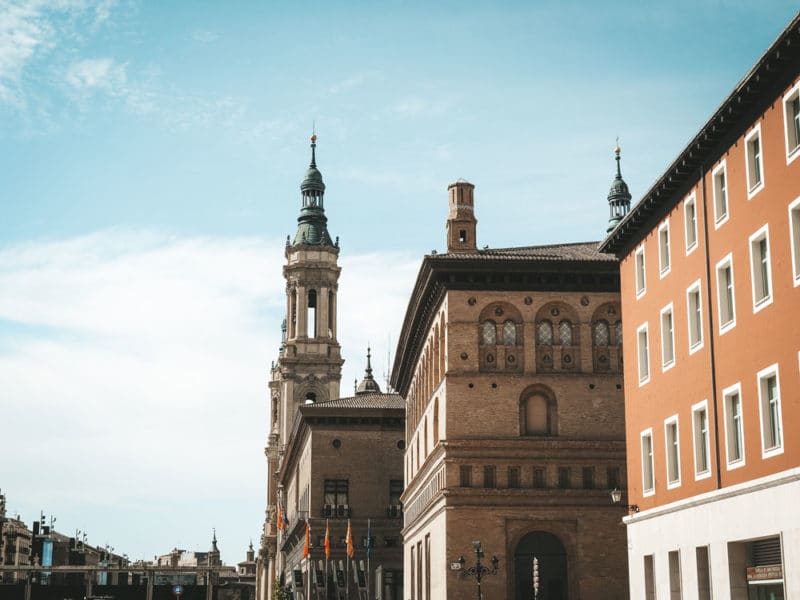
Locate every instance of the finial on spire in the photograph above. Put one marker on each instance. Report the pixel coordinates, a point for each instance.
(619, 196)
(617, 150)
(313, 150)
(369, 361)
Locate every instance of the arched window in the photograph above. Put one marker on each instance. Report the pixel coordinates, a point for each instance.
(601, 333)
(538, 414)
(488, 333)
(509, 333)
(425, 438)
(544, 333)
(311, 322)
(311, 398)
(435, 422)
(618, 332)
(565, 333)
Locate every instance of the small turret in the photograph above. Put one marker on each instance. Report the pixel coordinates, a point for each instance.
(461, 221)
(368, 385)
(312, 224)
(619, 198)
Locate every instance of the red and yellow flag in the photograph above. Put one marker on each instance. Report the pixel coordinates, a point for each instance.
(307, 545)
(327, 540)
(280, 518)
(351, 552)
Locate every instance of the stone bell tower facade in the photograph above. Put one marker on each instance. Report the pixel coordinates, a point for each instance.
(309, 365)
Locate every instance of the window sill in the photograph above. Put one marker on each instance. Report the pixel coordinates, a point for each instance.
(770, 452)
(762, 304)
(737, 464)
(702, 475)
(721, 221)
(726, 327)
(696, 346)
(792, 154)
(753, 190)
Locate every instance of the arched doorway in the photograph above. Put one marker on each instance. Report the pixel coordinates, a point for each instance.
(552, 561)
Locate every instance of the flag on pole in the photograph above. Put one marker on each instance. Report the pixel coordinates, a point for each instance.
(307, 545)
(281, 526)
(369, 538)
(285, 520)
(327, 540)
(351, 552)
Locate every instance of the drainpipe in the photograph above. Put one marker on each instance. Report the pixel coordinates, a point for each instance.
(710, 320)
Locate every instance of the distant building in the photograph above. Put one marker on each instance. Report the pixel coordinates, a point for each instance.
(710, 274)
(510, 364)
(330, 460)
(15, 544)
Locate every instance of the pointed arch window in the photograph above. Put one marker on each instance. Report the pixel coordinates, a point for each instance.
(488, 333)
(565, 333)
(601, 333)
(544, 333)
(509, 333)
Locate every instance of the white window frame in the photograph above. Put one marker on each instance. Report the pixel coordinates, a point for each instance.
(727, 393)
(761, 378)
(788, 126)
(647, 433)
(691, 200)
(643, 329)
(666, 365)
(755, 273)
(640, 284)
(720, 219)
(696, 440)
(673, 420)
(692, 289)
(722, 293)
(794, 239)
(752, 190)
(664, 269)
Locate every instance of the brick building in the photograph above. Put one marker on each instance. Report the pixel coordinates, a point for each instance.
(15, 544)
(710, 279)
(510, 364)
(329, 459)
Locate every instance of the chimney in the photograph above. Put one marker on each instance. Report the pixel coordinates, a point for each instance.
(461, 220)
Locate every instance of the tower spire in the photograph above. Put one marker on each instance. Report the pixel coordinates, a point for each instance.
(619, 196)
(312, 224)
(368, 385)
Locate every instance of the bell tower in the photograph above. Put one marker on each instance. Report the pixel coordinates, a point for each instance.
(310, 363)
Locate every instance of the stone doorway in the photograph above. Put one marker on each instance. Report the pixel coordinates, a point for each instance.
(552, 561)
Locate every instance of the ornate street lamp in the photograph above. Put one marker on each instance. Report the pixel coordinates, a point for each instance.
(616, 498)
(479, 571)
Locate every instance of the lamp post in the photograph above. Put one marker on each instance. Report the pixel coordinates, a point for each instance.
(616, 498)
(479, 571)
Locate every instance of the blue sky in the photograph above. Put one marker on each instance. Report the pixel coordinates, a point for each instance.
(151, 155)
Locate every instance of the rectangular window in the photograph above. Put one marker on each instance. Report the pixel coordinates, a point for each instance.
(640, 272)
(694, 313)
(648, 481)
(539, 480)
(734, 430)
(644, 354)
(465, 472)
(754, 162)
(413, 564)
(794, 238)
(703, 573)
(513, 477)
(667, 338)
(720, 186)
(336, 492)
(769, 401)
(612, 478)
(726, 304)
(702, 443)
(564, 478)
(674, 560)
(791, 116)
(649, 577)
(663, 248)
(760, 271)
(673, 452)
(488, 477)
(588, 478)
(690, 222)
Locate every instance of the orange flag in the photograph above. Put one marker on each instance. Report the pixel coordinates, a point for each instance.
(327, 540)
(307, 545)
(280, 518)
(351, 552)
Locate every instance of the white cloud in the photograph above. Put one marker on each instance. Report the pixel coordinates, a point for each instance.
(97, 74)
(135, 365)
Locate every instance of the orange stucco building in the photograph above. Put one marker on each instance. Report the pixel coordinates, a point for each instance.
(710, 276)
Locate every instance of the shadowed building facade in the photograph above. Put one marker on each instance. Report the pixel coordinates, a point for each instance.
(510, 364)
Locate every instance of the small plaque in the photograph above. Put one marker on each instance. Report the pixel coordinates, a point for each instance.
(455, 566)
